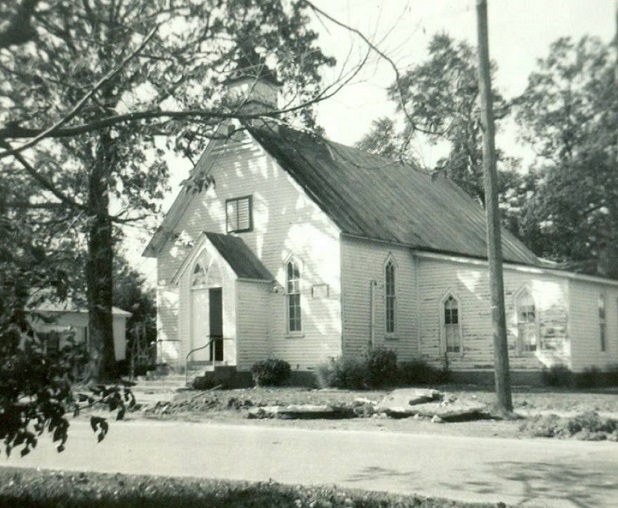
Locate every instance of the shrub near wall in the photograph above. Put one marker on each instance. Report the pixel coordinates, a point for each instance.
(419, 372)
(376, 369)
(561, 376)
(271, 372)
(342, 372)
(381, 365)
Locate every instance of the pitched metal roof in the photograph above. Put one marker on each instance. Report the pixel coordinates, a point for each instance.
(68, 306)
(240, 258)
(373, 197)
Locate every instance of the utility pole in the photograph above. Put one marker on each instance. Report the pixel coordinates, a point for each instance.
(494, 242)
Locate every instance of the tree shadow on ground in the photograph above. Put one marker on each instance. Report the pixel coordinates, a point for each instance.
(530, 484)
(551, 484)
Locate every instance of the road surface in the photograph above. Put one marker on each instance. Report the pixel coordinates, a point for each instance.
(538, 472)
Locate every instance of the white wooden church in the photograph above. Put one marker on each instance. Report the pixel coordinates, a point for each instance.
(304, 249)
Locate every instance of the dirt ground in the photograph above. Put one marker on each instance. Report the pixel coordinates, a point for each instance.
(234, 405)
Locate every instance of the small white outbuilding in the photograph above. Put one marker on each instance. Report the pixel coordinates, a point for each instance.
(69, 320)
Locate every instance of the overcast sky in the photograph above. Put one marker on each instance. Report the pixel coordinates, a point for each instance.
(520, 32)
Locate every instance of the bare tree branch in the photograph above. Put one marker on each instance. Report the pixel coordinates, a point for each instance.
(380, 53)
(27, 205)
(13, 131)
(42, 181)
(75, 109)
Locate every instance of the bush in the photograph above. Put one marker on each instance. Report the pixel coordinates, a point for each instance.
(419, 372)
(271, 372)
(346, 372)
(612, 374)
(381, 367)
(376, 369)
(557, 376)
(589, 378)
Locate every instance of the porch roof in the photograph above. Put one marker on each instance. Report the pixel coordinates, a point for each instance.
(241, 259)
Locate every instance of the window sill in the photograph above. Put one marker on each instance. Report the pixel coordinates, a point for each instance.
(294, 335)
(454, 355)
(391, 337)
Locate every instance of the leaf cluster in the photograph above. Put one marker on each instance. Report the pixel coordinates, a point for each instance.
(437, 102)
(568, 114)
(36, 383)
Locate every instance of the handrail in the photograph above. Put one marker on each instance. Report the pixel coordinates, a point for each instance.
(210, 341)
(193, 351)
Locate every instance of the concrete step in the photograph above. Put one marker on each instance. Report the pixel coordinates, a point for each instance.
(165, 382)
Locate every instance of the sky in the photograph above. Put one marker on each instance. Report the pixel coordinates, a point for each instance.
(520, 32)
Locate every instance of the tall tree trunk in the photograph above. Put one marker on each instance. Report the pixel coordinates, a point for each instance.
(99, 266)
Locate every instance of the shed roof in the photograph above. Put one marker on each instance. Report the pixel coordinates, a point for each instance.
(69, 306)
(376, 198)
(241, 259)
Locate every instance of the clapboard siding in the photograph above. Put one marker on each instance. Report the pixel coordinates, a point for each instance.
(469, 284)
(585, 325)
(363, 262)
(167, 325)
(253, 301)
(285, 223)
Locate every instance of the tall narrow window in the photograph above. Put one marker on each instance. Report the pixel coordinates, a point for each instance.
(293, 295)
(526, 322)
(200, 274)
(602, 323)
(239, 214)
(390, 297)
(451, 325)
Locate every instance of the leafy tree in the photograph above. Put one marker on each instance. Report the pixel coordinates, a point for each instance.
(438, 101)
(567, 113)
(92, 83)
(35, 383)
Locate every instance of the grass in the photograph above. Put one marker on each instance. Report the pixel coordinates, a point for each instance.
(46, 489)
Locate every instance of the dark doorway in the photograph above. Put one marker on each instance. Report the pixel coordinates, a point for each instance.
(216, 323)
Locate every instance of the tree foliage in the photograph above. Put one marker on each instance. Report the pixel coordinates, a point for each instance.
(99, 80)
(36, 383)
(568, 114)
(437, 101)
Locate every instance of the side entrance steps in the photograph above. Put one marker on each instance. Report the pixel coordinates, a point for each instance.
(162, 384)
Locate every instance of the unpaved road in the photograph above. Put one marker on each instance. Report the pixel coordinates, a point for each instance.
(535, 472)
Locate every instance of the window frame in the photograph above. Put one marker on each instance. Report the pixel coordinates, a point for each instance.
(451, 295)
(238, 229)
(602, 315)
(524, 348)
(295, 294)
(390, 299)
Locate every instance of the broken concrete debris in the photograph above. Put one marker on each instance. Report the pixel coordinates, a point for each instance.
(400, 403)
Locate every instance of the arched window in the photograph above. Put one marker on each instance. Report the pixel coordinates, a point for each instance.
(293, 297)
(602, 324)
(452, 335)
(527, 336)
(389, 285)
(200, 274)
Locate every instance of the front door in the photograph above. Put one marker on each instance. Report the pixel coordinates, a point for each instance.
(199, 307)
(215, 304)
